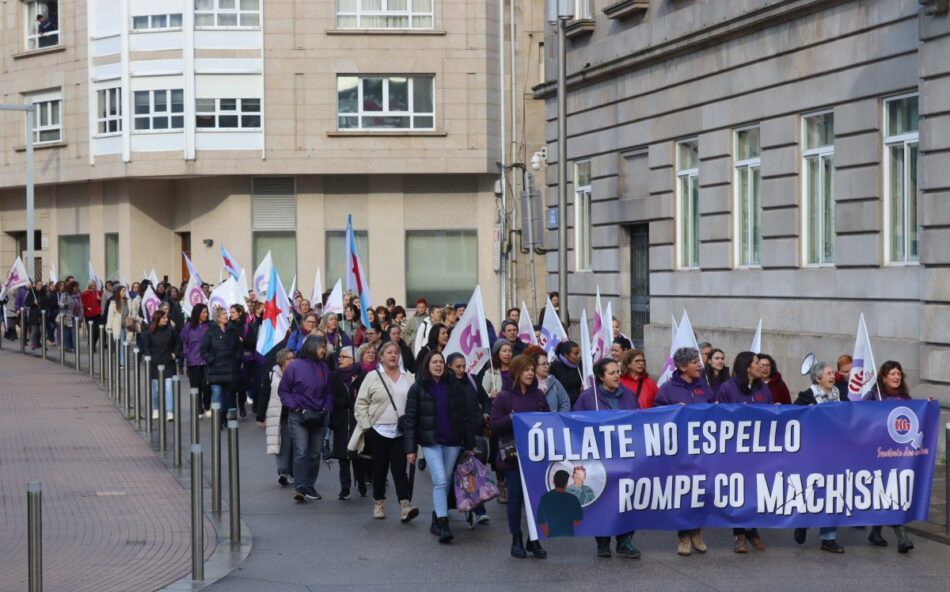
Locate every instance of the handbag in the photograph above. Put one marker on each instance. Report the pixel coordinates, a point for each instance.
(474, 484)
(400, 423)
(313, 419)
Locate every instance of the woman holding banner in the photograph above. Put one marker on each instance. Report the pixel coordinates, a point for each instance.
(521, 397)
(686, 387)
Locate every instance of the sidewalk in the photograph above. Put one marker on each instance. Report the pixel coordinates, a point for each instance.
(114, 518)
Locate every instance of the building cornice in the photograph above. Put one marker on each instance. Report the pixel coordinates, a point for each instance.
(713, 35)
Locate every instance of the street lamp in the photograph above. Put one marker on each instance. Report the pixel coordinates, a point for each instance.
(558, 13)
(28, 109)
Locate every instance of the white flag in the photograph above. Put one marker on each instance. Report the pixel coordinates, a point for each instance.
(153, 277)
(675, 328)
(552, 331)
(225, 295)
(262, 277)
(192, 272)
(53, 276)
(470, 336)
(242, 285)
(193, 295)
(335, 301)
(93, 277)
(316, 299)
(756, 346)
(863, 376)
(293, 288)
(597, 335)
(587, 356)
(525, 328)
(150, 303)
(16, 278)
(684, 337)
(608, 328)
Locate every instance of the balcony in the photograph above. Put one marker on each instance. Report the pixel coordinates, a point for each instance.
(626, 8)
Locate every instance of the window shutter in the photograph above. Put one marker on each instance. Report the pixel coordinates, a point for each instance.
(274, 203)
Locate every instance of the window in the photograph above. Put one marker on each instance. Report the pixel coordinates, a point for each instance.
(384, 14)
(394, 102)
(583, 10)
(74, 257)
(441, 265)
(900, 179)
(112, 256)
(283, 248)
(109, 114)
(274, 222)
(156, 21)
(336, 255)
(227, 13)
(748, 206)
(42, 23)
(47, 118)
(687, 204)
(582, 221)
(159, 109)
(818, 211)
(228, 113)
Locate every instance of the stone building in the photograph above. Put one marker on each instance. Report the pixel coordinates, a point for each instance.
(166, 126)
(776, 159)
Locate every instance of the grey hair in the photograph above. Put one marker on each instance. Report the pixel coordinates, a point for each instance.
(703, 345)
(389, 344)
(683, 356)
(348, 349)
(282, 356)
(817, 369)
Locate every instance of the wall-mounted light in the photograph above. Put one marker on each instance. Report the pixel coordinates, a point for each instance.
(208, 242)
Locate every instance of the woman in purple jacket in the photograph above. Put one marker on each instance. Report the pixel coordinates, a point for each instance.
(686, 387)
(523, 397)
(191, 337)
(746, 387)
(610, 395)
(306, 392)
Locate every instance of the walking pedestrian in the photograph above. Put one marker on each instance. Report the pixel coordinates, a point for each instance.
(346, 379)
(276, 432)
(466, 388)
(306, 326)
(192, 337)
(221, 350)
(336, 338)
(405, 352)
(162, 344)
(553, 390)
(438, 337)
(379, 405)
(116, 319)
(565, 367)
(521, 397)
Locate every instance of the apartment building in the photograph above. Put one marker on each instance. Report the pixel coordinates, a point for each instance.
(783, 160)
(170, 126)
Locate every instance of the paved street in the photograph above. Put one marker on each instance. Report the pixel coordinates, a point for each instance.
(335, 545)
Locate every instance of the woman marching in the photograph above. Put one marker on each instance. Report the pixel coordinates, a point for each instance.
(346, 382)
(162, 344)
(192, 335)
(276, 431)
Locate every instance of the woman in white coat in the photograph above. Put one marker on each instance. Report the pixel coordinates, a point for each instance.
(276, 432)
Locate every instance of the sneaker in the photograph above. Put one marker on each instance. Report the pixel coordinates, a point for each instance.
(484, 519)
(470, 520)
(800, 535)
(206, 414)
(831, 546)
(154, 413)
(683, 547)
(299, 496)
(344, 495)
(313, 495)
(282, 480)
(169, 417)
(290, 479)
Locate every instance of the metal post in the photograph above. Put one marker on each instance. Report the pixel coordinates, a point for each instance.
(30, 264)
(102, 357)
(23, 330)
(162, 410)
(148, 397)
(128, 379)
(109, 361)
(137, 387)
(43, 333)
(77, 343)
(215, 457)
(34, 517)
(562, 167)
(124, 400)
(90, 327)
(61, 321)
(197, 517)
(195, 403)
(234, 481)
(946, 455)
(176, 429)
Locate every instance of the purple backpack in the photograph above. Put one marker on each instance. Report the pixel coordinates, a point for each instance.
(473, 483)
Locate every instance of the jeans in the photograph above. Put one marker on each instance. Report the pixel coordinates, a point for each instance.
(306, 442)
(169, 394)
(222, 393)
(828, 533)
(285, 456)
(68, 341)
(440, 461)
(515, 500)
(119, 344)
(388, 455)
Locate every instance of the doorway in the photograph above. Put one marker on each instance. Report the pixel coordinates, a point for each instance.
(186, 249)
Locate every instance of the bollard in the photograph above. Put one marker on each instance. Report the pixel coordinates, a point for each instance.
(137, 389)
(34, 517)
(197, 517)
(90, 350)
(77, 342)
(195, 411)
(148, 398)
(176, 411)
(102, 358)
(61, 321)
(162, 410)
(129, 373)
(234, 481)
(946, 455)
(23, 330)
(43, 333)
(124, 401)
(215, 457)
(110, 363)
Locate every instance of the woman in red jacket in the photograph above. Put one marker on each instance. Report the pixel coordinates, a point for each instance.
(634, 376)
(773, 378)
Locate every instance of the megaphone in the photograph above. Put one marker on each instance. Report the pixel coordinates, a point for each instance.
(808, 363)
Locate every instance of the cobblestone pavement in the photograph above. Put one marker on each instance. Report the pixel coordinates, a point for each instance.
(113, 517)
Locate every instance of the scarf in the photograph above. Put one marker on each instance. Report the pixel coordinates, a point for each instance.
(348, 373)
(367, 367)
(564, 361)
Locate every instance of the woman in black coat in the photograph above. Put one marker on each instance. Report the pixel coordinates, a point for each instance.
(440, 423)
(464, 386)
(345, 382)
(221, 350)
(163, 346)
(566, 368)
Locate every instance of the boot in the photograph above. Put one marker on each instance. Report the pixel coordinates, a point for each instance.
(626, 548)
(517, 547)
(407, 511)
(445, 535)
(697, 539)
(502, 493)
(379, 509)
(742, 544)
(757, 541)
(684, 547)
(603, 546)
(434, 529)
(903, 541)
(534, 547)
(875, 537)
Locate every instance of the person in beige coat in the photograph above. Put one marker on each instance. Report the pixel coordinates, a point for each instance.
(116, 319)
(378, 406)
(276, 432)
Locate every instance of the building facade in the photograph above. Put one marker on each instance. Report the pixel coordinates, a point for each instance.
(783, 160)
(165, 126)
